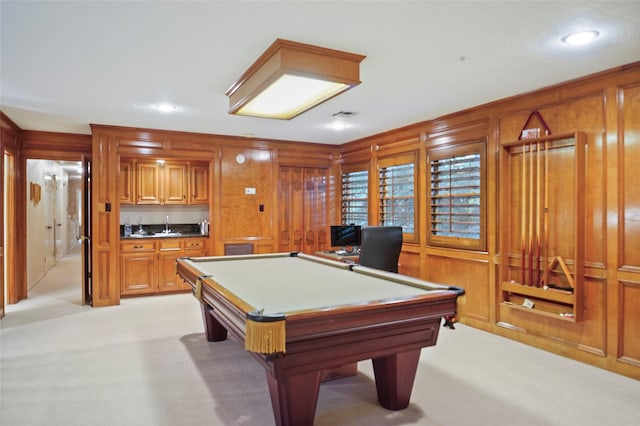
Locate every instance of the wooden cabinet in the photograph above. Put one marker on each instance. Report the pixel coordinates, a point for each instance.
(137, 267)
(303, 217)
(126, 188)
(198, 183)
(148, 183)
(544, 207)
(169, 250)
(194, 247)
(175, 181)
(148, 266)
(163, 183)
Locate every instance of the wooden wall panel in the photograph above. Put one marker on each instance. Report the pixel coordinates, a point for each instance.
(472, 275)
(586, 114)
(241, 214)
(630, 212)
(104, 222)
(629, 322)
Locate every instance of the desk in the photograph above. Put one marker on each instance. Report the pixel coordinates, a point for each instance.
(347, 257)
(299, 315)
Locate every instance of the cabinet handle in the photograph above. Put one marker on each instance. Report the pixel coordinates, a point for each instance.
(184, 197)
(137, 247)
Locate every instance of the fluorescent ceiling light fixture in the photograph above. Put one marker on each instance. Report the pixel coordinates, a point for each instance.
(290, 78)
(580, 38)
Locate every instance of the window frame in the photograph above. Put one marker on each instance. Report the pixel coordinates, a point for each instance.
(399, 160)
(353, 168)
(451, 152)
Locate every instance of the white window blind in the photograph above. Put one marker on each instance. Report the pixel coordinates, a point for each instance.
(355, 193)
(397, 196)
(456, 198)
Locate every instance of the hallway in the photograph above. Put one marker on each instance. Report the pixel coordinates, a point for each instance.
(57, 293)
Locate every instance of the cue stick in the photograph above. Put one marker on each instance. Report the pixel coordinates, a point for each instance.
(545, 210)
(531, 210)
(523, 239)
(538, 213)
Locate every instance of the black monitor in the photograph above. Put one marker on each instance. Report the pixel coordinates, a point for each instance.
(345, 235)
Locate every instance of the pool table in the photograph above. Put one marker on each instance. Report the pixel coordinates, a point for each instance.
(300, 314)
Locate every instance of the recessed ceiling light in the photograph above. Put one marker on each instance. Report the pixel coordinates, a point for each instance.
(165, 107)
(580, 38)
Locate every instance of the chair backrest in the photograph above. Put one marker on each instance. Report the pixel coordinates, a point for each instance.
(380, 247)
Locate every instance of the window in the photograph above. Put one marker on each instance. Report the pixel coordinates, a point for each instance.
(355, 194)
(397, 192)
(457, 197)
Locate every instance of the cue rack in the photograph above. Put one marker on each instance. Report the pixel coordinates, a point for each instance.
(542, 223)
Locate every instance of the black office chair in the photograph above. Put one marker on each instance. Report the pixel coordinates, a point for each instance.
(380, 247)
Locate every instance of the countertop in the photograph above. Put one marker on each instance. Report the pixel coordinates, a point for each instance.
(154, 231)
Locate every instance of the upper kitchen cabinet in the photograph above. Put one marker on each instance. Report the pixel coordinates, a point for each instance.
(199, 183)
(149, 179)
(174, 183)
(126, 188)
(144, 181)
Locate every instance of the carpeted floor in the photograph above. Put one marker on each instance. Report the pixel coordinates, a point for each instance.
(146, 362)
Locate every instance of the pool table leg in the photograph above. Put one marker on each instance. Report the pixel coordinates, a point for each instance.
(212, 328)
(294, 398)
(394, 378)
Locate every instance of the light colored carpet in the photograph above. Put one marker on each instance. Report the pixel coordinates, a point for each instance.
(146, 362)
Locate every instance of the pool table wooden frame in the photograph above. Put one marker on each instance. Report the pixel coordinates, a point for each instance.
(390, 332)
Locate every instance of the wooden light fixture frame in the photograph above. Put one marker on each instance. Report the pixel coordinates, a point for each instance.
(293, 58)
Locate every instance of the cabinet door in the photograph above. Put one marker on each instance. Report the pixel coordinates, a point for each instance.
(168, 279)
(137, 273)
(174, 188)
(199, 184)
(148, 183)
(126, 192)
(316, 181)
(303, 214)
(291, 221)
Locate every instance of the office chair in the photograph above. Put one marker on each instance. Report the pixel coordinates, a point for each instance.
(380, 247)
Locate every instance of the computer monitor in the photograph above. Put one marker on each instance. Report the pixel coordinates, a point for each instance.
(345, 235)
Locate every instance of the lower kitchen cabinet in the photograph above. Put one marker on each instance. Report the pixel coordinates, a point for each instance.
(138, 267)
(169, 250)
(148, 266)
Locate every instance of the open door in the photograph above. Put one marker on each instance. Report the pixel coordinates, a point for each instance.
(85, 238)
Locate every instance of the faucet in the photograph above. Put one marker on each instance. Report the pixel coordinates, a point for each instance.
(166, 226)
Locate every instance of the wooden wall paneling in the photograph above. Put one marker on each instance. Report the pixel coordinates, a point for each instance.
(10, 255)
(628, 322)
(409, 262)
(630, 154)
(245, 214)
(472, 274)
(105, 229)
(53, 145)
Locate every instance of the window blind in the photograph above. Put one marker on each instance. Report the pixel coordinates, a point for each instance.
(355, 193)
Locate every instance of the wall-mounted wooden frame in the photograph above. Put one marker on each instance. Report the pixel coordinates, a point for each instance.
(542, 208)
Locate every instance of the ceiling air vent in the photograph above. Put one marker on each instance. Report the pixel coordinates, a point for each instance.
(344, 114)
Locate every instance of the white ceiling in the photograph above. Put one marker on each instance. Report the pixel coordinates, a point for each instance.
(67, 64)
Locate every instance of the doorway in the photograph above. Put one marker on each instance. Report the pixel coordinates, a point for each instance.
(54, 221)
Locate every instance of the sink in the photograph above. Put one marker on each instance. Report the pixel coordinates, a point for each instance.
(167, 234)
